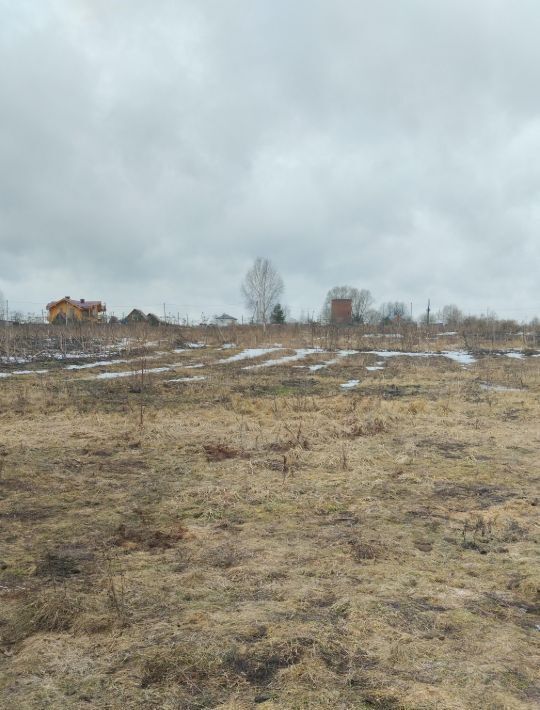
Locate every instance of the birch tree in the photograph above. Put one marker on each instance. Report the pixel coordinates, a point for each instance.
(261, 289)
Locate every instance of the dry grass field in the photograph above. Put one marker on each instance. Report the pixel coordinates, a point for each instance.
(267, 538)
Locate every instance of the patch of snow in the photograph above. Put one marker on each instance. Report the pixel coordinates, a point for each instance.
(228, 346)
(461, 356)
(299, 354)
(193, 346)
(516, 356)
(5, 374)
(183, 366)
(196, 378)
(250, 353)
(350, 384)
(395, 353)
(327, 363)
(99, 363)
(30, 372)
(375, 367)
(497, 388)
(129, 373)
(320, 366)
(73, 356)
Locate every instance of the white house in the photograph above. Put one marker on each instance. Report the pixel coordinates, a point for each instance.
(224, 319)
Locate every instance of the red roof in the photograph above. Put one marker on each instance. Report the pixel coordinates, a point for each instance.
(83, 305)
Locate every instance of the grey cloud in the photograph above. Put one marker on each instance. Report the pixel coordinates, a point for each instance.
(149, 152)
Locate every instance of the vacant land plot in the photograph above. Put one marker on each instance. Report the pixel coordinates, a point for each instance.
(207, 527)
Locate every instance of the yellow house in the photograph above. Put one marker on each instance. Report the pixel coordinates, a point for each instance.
(67, 309)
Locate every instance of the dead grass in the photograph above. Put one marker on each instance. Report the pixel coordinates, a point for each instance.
(261, 542)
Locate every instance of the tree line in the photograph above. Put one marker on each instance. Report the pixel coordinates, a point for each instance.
(263, 287)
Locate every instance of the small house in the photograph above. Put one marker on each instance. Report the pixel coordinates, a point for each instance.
(134, 316)
(137, 316)
(67, 310)
(224, 320)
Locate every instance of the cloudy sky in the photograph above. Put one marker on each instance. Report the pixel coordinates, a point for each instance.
(149, 151)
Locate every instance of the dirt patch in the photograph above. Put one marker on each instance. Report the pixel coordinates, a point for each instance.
(63, 562)
(222, 452)
(362, 550)
(450, 449)
(144, 538)
(259, 664)
(20, 513)
(481, 495)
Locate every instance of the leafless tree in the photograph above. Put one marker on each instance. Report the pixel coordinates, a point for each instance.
(361, 301)
(261, 289)
(3, 309)
(451, 315)
(394, 310)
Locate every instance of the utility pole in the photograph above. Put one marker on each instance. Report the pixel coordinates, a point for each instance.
(428, 311)
(164, 314)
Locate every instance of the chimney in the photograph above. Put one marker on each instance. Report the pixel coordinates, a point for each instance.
(67, 298)
(82, 300)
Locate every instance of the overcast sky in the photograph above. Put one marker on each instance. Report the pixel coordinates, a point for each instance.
(149, 151)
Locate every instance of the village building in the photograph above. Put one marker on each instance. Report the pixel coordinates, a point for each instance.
(224, 320)
(134, 316)
(137, 316)
(68, 309)
(341, 311)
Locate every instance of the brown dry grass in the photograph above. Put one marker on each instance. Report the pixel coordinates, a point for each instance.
(267, 539)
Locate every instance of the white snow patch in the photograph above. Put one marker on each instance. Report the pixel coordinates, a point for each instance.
(371, 368)
(14, 360)
(196, 378)
(129, 373)
(497, 388)
(99, 363)
(461, 356)
(193, 346)
(516, 356)
(30, 372)
(320, 366)
(299, 354)
(333, 361)
(250, 353)
(228, 346)
(396, 353)
(350, 384)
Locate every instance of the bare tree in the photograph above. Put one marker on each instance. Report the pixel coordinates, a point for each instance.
(3, 309)
(451, 315)
(361, 301)
(261, 289)
(394, 310)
